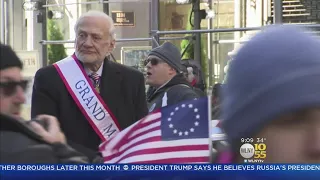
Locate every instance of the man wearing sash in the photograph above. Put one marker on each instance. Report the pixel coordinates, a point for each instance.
(93, 97)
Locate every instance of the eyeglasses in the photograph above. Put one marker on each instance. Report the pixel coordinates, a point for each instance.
(10, 88)
(153, 61)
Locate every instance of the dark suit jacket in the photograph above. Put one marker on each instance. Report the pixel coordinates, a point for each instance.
(122, 88)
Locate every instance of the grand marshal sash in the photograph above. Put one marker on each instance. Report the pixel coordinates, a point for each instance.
(86, 97)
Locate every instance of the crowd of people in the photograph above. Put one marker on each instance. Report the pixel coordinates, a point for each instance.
(272, 91)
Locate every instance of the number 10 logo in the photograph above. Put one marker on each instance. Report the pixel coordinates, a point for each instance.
(260, 151)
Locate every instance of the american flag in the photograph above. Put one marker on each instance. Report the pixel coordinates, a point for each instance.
(173, 134)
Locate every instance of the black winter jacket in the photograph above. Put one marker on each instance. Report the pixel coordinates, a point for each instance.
(19, 144)
(175, 91)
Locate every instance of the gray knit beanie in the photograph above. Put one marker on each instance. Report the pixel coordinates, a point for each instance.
(170, 54)
(276, 72)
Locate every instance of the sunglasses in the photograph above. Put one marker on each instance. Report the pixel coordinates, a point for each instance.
(10, 88)
(153, 61)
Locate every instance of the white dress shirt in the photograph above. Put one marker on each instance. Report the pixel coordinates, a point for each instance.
(99, 72)
(89, 72)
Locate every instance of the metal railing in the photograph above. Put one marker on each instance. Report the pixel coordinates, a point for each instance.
(229, 29)
(94, 2)
(44, 42)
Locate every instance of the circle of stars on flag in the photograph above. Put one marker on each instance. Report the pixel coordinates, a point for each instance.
(195, 124)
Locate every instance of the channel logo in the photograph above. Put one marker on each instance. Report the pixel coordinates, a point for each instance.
(255, 153)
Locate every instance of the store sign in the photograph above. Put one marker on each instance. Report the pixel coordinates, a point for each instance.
(31, 62)
(123, 18)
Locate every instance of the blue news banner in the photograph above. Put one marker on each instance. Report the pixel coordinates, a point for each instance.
(153, 171)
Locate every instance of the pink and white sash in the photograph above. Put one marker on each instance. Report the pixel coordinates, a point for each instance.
(87, 98)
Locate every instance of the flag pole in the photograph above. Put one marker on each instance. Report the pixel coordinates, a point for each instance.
(209, 93)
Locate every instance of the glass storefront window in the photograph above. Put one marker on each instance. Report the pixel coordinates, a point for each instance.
(175, 16)
(71, 12)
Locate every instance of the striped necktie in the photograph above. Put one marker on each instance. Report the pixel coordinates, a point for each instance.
(96, 81)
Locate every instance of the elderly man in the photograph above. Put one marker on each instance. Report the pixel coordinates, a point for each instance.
(164, 74)
(272, 95)
(93, 97)
(26, 141)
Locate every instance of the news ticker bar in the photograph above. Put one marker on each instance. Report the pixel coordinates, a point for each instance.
(159, 167)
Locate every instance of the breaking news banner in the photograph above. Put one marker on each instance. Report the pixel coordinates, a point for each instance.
(155, 171)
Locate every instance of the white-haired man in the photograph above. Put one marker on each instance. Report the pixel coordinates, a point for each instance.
(93, 97)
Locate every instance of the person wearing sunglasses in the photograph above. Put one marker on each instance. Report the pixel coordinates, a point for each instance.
(36, 141)
(12, 85)
(165, 75)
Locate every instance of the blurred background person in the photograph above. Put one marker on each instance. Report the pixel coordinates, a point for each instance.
(194, 75)
(273, 92)
(216, 101)
(194, 81)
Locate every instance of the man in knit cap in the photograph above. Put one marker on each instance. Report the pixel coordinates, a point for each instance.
(12, 85)
(165, 75)
(27, 141)
(273, 94)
